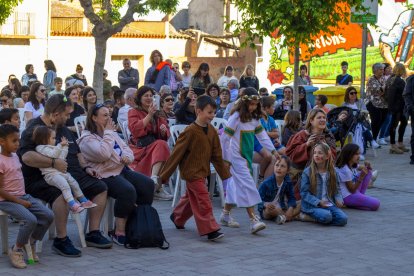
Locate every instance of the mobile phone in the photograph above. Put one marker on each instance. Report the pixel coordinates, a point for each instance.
(156, 101)
(199, 91)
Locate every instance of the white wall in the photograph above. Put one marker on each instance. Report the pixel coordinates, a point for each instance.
(207, 16)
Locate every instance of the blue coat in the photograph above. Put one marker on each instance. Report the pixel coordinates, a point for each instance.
(268, 190)
(163, 77)
(311, 201)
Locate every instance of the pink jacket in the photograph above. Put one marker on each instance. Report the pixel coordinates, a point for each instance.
(100, 154)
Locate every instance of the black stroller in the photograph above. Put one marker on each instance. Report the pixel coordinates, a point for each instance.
(343, 129)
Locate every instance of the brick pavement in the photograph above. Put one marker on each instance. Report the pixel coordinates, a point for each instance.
(373, 243)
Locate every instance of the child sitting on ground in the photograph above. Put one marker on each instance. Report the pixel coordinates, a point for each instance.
(293, 124)
(10, 116)
(319, 189)
(45, 139)
(275, 190)
(354, 179)
(320, 102)
(35, 216)
(198, 144)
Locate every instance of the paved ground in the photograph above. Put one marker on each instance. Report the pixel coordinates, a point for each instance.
(373, 243)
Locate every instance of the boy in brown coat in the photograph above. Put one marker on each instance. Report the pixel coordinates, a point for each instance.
(196, 147)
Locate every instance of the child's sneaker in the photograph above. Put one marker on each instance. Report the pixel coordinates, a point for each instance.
(76, 208)
(280, 219)
(118, 239)
(256, 225)
(34, 255)
(305, 217)
(88, 204)
(215, 236)
(161, 194)
(228, 221)
(16, 258)
(374, 144)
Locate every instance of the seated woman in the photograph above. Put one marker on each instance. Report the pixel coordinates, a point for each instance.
(149, 133)
(285, 104)
(89, 97)
(35, 105)
(72, 94)
(300, 145)
(212, 90)
(276, 191)
(185, 114)
(167, 104)
(355, 180)
(224, 101)
(109, 156)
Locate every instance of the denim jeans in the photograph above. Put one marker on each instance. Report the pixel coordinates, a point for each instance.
(385, 127)
(330, 216)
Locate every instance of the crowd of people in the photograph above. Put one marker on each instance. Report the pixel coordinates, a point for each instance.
(303, 174)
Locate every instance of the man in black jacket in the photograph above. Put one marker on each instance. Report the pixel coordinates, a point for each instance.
(409, 110)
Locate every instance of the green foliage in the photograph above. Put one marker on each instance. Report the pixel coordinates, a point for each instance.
(298, 20)
(6, 8)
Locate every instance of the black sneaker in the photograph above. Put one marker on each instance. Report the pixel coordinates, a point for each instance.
(213, 236)
(172, 218)
(119, 240)
(65, 248)
(96, 239)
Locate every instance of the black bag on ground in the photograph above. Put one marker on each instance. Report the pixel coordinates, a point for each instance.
(143, 229)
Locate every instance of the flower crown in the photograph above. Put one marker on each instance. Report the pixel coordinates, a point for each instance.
(250, 98)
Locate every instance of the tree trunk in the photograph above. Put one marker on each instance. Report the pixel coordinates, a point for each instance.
(100, 48)
(296, 79)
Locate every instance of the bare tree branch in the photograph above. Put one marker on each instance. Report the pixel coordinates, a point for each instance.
(89, 12)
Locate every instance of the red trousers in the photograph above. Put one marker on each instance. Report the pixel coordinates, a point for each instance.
(196, 201)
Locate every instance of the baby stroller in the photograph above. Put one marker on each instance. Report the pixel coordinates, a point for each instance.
(341, 130)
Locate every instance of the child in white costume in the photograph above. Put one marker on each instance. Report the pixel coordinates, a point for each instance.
(237, 144)
(45, 139)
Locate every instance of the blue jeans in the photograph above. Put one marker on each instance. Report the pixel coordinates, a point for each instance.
(331, 216)
(385, 127)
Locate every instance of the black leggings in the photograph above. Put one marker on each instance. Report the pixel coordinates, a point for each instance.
(378, 116)
(397, 117)
(129, 188)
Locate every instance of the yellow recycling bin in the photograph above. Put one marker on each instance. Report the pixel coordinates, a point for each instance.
(335, 94)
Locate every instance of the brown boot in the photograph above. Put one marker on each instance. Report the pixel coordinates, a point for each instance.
(395, 149)
(402, 147)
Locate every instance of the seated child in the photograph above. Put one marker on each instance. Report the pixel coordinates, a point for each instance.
(293, 124)
(320, 102)
(337, 128)
(354, 180)
(274, 192)
(10, 116)
(45, 139)
(35, 216)
(270, 125)
(198, 144)
(319, 189)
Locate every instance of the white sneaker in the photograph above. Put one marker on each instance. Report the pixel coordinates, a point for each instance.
(387, 139)
(374, 144)
(374, 175)
(162, 195)
(256, 225)
(228, 221)
(361, 157)
(382, 142)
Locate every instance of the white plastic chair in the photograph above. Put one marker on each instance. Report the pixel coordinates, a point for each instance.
(172, 122)
(22, 120)
(281, 124)
(107, 222)
(124, 130)
(219, 123)
(80, 124)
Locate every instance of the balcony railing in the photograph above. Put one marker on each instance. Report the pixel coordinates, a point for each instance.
(67, 24)
(19, 24)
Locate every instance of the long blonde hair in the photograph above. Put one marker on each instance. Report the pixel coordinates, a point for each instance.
(248, 66)
(312, 114)
(330, 167)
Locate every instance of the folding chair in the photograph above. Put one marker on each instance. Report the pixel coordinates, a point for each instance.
(80, 123)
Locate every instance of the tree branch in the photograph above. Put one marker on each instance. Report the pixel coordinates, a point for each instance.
(89, 12)
(127, 18)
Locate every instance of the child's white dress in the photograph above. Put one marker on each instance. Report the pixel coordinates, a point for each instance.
(238, 145)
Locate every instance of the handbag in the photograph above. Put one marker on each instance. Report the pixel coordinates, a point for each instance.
(146, 140)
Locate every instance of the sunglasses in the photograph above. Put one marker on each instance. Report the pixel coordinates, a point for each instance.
(169, 100)
(352, 93)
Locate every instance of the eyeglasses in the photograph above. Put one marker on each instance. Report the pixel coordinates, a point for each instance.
(352, 93)
(96, 108)
(169, 100)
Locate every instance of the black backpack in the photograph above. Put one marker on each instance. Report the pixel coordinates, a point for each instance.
(143, 229)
